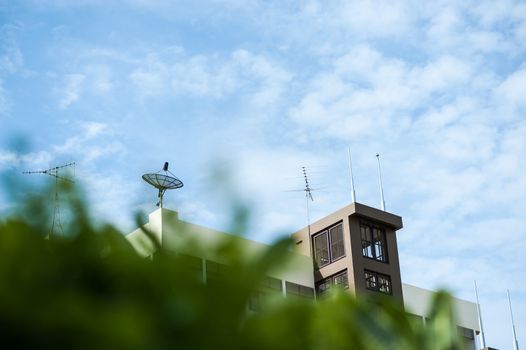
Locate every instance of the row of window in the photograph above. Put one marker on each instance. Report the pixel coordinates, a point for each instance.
(339, 280)
(378, 282)
(375, 281)
(329, 246)
(259, 298)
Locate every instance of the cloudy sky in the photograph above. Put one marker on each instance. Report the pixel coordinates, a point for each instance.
(254, 90)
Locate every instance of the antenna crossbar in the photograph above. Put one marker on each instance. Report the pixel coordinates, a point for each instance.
(54, 172)
(308, 190)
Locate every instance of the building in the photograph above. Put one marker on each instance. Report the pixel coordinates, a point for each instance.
(354, 248)
(296, 278)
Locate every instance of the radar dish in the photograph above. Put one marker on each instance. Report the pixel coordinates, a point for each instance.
(163, 182)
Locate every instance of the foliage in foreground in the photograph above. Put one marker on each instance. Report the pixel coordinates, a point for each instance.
(91, 290)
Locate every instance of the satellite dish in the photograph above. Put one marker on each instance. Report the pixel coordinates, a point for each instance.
(163, 182)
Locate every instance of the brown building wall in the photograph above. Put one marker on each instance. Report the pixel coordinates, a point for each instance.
(361, 263)
(353, 261)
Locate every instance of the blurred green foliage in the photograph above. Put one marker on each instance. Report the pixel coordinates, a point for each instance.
(90, 290)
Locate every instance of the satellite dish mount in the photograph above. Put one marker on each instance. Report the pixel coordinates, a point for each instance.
(162, 181)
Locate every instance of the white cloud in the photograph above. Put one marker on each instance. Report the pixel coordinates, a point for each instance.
(93, 129)
(100, 78)
(34, 159)
(214, 76)
(71, 89)
(11, 58)
(151, 78)
(7, 157)
(512, 91)
(5, 102)
(85, 145)
(376, 18)
(363, 92)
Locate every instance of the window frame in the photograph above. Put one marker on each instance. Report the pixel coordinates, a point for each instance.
(378, 252)
(329, 241)
(298, 290)
(330, 282)
(373, 282)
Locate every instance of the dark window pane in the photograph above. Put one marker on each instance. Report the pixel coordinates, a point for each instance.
(271, 283)
(297, 290)
(378, 282)
(307, 292)
(337, 246)
(367, 244)
(323, 287)
(257, 301)
(321, 249)
(379, 244)
(370, 280)
(384, 284)
(341, 280)
(374, 242)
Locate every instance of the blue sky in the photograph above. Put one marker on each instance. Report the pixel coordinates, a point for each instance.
(257, 89)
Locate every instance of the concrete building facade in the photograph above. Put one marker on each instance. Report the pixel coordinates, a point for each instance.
(354, 248)
(294, 278)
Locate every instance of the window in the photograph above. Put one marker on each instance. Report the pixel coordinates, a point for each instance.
(271, 283)
(339, 280)
(374, 242)
(378, 282)
(297, 290)
(328, 245)
(257, 301)
(216, 273)
(268, 288)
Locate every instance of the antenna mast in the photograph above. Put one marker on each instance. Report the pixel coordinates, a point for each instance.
(480, 317)
(515, 342)
(353, 193)
(308, 195)
(54, 172)
(382, 201)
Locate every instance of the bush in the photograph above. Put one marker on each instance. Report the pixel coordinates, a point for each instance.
(89, 289)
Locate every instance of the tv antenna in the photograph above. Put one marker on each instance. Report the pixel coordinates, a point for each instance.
(163, 182)
(308, 193)
(382, 200)
(307, 189)
(353, 193)
(55, 172)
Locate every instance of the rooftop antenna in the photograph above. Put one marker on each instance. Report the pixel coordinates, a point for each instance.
(308, 195)
(308, 192)
(353, 193)
(55, 172)
(515, 342)
(480, 317)
(163, 182)
(382, 201)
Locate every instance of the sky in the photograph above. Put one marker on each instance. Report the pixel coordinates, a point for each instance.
(238, 95)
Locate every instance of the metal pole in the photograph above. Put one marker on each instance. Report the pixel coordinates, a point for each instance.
(382, 201)
(515, 342)
(353, 193)
(480, 317)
